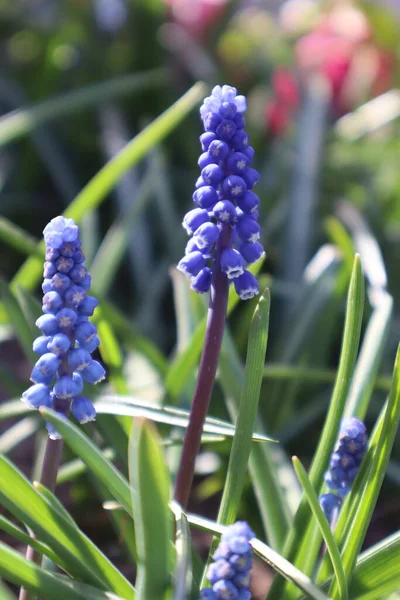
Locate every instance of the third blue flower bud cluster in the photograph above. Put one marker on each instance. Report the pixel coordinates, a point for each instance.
(224, 198)
(344, 464)
(68, 338)
(229, 575)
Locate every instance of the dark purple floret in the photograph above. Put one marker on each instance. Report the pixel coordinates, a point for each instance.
(68, 338)
(223, 196)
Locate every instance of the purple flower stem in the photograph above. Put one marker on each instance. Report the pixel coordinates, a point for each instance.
(51, 463)
(206, 376)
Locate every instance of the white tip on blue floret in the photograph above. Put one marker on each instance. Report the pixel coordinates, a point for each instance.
(219, 94)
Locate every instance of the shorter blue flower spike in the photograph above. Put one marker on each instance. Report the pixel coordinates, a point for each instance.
(223, 196)
(68, 337)
(229, 575)
(344, 464)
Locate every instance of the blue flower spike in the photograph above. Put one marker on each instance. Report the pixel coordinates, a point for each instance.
(229, 574)
(224, 198)
(344, 464)
(68, 338)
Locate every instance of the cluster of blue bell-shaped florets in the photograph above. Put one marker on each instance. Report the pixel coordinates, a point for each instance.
(230, 573)
(344, 464)
(224, 198)
(68, 338)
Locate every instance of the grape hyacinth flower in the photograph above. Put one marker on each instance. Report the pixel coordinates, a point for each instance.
(224, 224)
(344, 464)
(224, 239)
(68, 338)
(229, 574)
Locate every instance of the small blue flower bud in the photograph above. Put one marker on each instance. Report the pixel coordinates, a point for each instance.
(52, 302)
(211, 122)
(40, 344)
(329, 503)
(246, 285)
(212, 175)
(222, 570)
(237, 163)
(85, 332)
(36, 396)
(59, 344)
(191, 264)
(191, 246)
(206, 139)
(75, 296)
(226, 129)
(239, 122)
(86, 283)
(249, 202)
(48, 324)
(232, 263)
(78, 257)
(65, 388)
(194, 218)
(46, 286)
(234, 186)
(228, 110)
(205, 197)
(70, 233)
(79, 359)
(68, 249)
(251, 176)
(53, 239)
(83, 410)
(225, 590)
(244, 595)
(93, 373)
(202, 282)
(251, 251)
(239, 544)
(53, 433)
(78, 381)
(78, 273)
(249, 152)
(88, 305)
(52, 254)
(49, 269)
(45, 368)
(248, 229)
(207, 594)
(91, 345)
(241, 562)
(242, 580)
(218, 150)
(205, 159)
(224, 211)
(223, 551)
(240, 141)
(206, 235)
(64, 264)
(66, 318)
(60, 283)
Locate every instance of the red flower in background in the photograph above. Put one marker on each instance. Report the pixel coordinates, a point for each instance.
(341, 49)
(196, 16)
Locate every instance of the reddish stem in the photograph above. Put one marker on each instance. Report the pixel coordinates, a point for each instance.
(206, 376)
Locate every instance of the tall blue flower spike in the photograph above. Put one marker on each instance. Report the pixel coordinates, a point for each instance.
(68, 338)
(224, 198)
(344, 464)
(229, 574)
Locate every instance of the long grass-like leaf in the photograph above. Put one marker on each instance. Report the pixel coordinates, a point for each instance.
(82, 558)
(150, 489)
(23, 329)
(375, 475)
(323, 524)
(16, 569)
(351, 335)
(183, 568)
